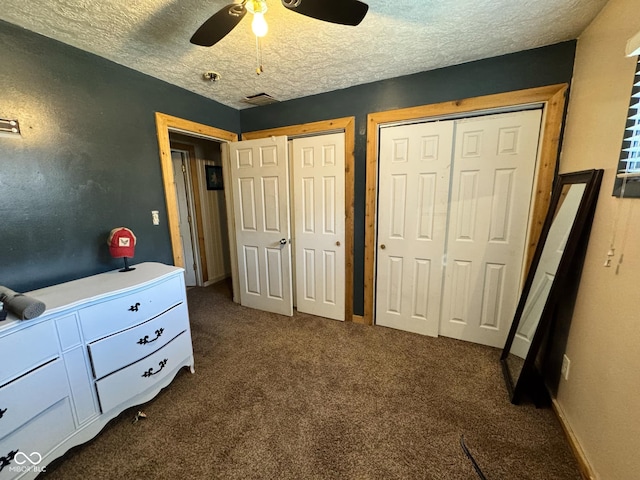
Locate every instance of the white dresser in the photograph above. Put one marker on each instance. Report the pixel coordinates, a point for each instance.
(105, 343)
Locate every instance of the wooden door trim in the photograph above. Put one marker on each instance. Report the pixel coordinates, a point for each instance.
(164, 123)
(553, 99)
(347, 124)
(193, 170)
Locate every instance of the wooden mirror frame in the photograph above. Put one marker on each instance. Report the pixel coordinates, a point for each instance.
(529, 381)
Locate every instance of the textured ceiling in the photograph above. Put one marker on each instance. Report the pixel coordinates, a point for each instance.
(301, 56)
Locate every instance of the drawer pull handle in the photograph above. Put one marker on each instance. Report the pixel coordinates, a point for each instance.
(134, 308)
(6, 460)
(145, 339)
(2, 412)
(150, 372)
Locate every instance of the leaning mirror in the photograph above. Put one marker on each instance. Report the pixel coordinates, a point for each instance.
(570, 210)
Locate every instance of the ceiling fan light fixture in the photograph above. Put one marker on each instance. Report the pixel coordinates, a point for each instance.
(256, 6)
(259, 25)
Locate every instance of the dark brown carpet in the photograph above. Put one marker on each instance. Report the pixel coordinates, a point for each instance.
(308, 398)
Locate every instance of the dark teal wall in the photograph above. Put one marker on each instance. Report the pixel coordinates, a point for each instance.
(88, 158)
(528, 69)
(87, 161)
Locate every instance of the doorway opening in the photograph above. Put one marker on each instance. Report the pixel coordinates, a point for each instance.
(168, 126)
(202, 216)
(196, 213)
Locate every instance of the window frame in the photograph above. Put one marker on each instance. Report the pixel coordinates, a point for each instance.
(625, 186)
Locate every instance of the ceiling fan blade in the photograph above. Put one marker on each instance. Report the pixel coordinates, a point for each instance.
(219, 25)
(344, 12)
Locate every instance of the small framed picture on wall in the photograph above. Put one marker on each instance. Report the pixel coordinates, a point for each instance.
(214, 177)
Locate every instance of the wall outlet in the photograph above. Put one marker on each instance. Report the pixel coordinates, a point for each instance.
(566, 363)
(155, 217)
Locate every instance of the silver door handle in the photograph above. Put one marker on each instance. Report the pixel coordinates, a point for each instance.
(283, 241)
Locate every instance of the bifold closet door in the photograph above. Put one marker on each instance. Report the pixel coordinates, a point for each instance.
(319, 224)
(413, 193)
(453, 208)
(494, 165)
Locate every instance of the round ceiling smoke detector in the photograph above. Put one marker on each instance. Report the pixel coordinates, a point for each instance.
(211, 76)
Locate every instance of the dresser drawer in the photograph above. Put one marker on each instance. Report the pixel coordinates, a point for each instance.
(145, 374)
(123, 312)
(26, 397)
(129, 346)
(26, 349)
(36, 439)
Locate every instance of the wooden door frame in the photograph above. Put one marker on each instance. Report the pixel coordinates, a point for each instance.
(346, 124)
(553, 100)
(164, 124)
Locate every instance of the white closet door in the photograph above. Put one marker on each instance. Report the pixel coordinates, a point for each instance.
(412, 211)
(319, 213)
(260, 187)
(493, 170)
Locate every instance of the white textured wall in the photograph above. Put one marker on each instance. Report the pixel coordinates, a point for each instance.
(600, 399)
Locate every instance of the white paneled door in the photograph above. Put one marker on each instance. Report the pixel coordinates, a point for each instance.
(412, 218)
(493, 169)
(319, 224)
(453, 207)
(260, 188)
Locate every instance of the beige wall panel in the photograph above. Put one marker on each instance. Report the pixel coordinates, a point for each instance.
(600, 400)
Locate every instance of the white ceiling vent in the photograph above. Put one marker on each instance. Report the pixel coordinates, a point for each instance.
(259, 99)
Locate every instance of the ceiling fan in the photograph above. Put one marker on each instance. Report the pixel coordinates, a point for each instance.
(344, 12)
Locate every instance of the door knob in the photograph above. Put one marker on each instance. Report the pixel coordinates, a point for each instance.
(283, 241)
(338, 243)
(383, 246)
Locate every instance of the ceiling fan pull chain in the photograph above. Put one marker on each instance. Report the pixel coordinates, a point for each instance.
(259, 68)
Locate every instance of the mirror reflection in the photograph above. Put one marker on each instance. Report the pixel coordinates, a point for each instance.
(545, 272)
(560, 252)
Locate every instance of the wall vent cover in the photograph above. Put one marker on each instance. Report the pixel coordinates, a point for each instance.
(260, 99)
